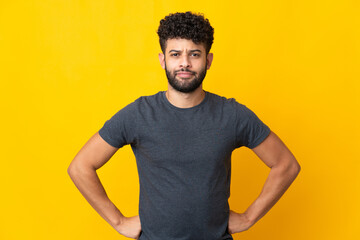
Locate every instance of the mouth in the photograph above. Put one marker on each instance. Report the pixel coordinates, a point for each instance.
(184, 74)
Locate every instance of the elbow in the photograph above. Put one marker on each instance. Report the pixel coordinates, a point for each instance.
(78, 167)
(288, 167)
(294, 168)
(298, 168)
(74, 169)
(71, 170)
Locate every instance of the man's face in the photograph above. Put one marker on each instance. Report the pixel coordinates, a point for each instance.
(185, 64)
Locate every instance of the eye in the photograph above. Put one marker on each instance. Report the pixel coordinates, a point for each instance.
(195, 55)
(174, 54)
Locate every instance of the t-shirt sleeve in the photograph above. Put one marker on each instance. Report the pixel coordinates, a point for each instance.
(120, 129)
(250, 130)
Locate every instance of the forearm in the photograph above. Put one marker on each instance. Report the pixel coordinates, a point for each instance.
(278, 181)
(88, 183)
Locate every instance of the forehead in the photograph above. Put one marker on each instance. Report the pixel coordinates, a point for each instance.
(183, 45)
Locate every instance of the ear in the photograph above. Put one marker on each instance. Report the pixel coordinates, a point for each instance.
(162, 60)
(209, 59)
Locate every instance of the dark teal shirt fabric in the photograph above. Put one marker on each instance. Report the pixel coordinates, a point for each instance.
(183, 157)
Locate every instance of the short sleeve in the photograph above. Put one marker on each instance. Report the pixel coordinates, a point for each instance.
(250, 130)
(120, 129)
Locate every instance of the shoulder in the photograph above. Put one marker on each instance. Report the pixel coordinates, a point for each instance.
(231, 104)
(149, 99)
(142, 101)
(226, 101)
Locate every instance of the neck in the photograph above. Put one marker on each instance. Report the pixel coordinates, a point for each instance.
(185, 100)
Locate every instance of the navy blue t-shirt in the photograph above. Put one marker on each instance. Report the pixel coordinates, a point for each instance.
(183, 157)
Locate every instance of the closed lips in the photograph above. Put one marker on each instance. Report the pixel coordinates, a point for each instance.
(184, 74)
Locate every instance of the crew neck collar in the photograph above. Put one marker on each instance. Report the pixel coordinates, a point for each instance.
(167, 102)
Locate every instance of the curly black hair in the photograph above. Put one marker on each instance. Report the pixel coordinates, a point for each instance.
(186, 25)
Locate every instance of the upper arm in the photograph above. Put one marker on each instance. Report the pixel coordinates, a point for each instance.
(273, 152)
(95, 153)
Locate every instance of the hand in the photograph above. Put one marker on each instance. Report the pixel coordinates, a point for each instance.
(238, 222)
(130, 227)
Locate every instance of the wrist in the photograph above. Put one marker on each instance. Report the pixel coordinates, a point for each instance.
(119, 221)
(250, 219)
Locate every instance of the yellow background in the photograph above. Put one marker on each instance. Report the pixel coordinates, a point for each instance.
(68, 66)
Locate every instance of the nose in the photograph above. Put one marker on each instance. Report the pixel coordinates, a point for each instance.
(184, 62)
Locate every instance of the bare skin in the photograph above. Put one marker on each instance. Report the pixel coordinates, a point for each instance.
(182, 53)
(284, 169)
(96, 152)
(82, 170)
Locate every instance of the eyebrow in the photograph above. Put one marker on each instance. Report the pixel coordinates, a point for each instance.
(191, 51)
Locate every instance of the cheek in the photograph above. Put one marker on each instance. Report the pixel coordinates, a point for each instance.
(170, 67)
(201, 66)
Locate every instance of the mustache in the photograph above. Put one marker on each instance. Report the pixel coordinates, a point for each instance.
(185, 70)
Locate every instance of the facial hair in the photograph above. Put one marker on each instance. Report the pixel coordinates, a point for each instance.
(185, 86)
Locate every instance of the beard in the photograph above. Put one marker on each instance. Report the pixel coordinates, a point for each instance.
(185, 86)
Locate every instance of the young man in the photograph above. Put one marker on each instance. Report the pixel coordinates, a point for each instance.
(182, 139)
